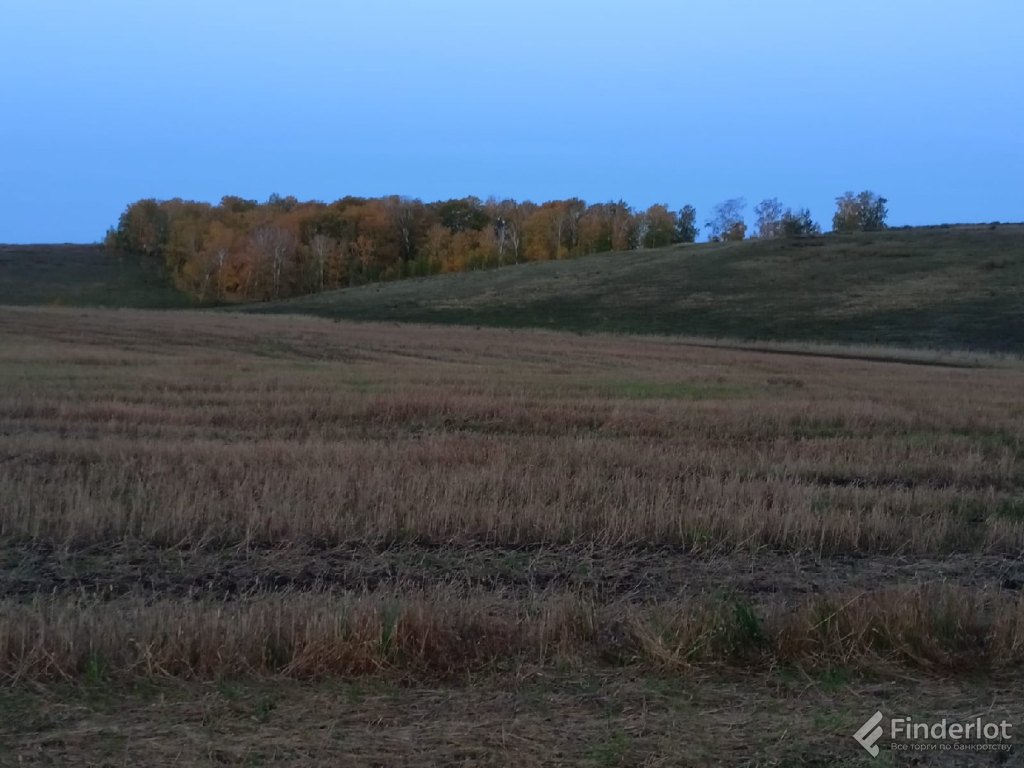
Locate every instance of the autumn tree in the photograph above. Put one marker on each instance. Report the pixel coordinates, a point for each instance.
(437, 247)
(659, 226)
(218, 246)
(143, 228)
(596, 229)
(865, 212)
(183, 253)
(375, 245)
(544, 229)
(187, 223)
(240, 249)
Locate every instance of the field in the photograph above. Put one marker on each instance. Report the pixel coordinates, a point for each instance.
(82, 275)
(240, 539)
(936, 287)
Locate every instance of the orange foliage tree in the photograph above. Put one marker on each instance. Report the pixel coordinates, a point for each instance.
(242, 250)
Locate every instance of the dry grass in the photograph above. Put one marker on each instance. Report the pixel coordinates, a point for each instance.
(199, 430)
(311, 636)
(539, 719)
(210, 437)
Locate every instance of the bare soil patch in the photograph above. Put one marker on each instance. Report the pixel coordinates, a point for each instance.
(601, 575)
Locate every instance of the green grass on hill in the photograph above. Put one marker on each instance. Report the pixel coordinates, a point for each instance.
(942, 287)
(82, 275)
(939, 287)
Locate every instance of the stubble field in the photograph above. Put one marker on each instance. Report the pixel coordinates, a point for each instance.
(254, 526)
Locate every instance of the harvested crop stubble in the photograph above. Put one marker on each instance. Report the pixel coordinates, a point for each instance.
(434, 635)
(195, 495)
(208, 431)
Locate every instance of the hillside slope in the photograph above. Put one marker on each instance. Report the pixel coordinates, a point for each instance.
(82, 275)
(945, 287)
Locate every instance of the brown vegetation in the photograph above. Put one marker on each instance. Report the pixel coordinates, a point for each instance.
(189, 490)
(313, 636)
(197, 430)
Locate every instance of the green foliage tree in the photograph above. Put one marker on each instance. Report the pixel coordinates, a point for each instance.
(660, 226)
(232, 204)
(686, 225)
(798, 223)
(865, 212)
(875, 211)
(462, 215)
(285, 204)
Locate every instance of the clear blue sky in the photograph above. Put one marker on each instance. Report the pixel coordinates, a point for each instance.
(680, 102)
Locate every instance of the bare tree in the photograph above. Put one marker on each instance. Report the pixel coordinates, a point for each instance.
(320, 249)
(623, 226)
(769, 218)
(515, 215)
(213, 271)
(405, 214)
(501, 214)
(273, 246)
(726, 222)
(574, 210)
(641, 227)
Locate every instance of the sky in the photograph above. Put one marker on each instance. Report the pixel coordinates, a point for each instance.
(110, 101)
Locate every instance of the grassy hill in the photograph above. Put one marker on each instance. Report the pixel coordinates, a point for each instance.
(945, 287)
(82, 275)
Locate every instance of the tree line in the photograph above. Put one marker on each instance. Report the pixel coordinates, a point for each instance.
(243, 250)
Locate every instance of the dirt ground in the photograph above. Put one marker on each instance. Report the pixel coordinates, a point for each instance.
(601, 574)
